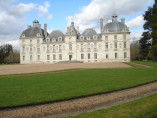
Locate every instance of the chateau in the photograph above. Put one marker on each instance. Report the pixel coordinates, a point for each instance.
(111, 45)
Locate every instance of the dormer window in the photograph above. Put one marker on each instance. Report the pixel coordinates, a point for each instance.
(124, 29)
(106, 30)
(48, 40)
(23, 36)
(94, 37)
(88, 38)
(60, 39)
(53, 40)
(38, 34)
(82, 38)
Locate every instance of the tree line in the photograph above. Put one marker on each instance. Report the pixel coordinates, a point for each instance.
(8, 55)
(146, 47)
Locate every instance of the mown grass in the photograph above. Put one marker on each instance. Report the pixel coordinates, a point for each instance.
(149, 63)
(142, 108)
(34, 89)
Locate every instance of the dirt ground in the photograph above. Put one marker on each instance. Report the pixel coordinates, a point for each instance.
(32, 68)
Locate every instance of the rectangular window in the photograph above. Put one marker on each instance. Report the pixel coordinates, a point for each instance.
(107, 56)
(82, 56)
(88, 55)
(47, 47)
(38, 57)
(23, 49)
(30, 49)
(30, 41)
(106, 45)
(95, 46)
(124, 36)
(106, 37)
(38, 49)
(30, 57)
(70, 46)
(60, 48)
(95, 55)
(53, 47)
(88, 45)
(116, 55)
(54, 57)
(48, 57)
(125, 54)
(23, 41)
(23, 58)
(115, 45)
(60, 56)
(81, 46)
(38, 41)
(115, 37)
(124, 44)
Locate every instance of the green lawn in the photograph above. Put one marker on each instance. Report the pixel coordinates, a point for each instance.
(142, 108)
(33, 89)
(149, 63)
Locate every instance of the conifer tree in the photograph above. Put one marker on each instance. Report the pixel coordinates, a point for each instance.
(148, 41)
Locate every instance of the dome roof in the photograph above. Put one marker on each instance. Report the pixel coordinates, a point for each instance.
(56, 34)
(116, 27)
(32, 32)
(90, 32)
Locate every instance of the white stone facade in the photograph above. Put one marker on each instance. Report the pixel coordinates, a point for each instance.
(111, 45)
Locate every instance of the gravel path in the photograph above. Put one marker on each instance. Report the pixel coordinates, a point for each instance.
(81, 105)
(142, 65)
(32, 68)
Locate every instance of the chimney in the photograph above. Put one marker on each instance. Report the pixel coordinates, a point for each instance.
(101, 25)
(68, 30)
(123, 20)
(45, 30)
(28, 26)
(77, 28)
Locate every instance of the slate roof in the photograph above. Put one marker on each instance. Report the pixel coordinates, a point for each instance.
(32, 32)
(55, 34)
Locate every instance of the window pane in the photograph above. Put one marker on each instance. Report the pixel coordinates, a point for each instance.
(106, 37)
(106, 56)
(95, 55)
(88, 55)
(106, 45)
(124, 44)
(60, 57)
(82, 56)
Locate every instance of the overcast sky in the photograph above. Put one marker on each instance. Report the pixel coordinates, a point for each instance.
(15, 15)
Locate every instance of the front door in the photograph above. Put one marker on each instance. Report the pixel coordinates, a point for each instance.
(70, 57)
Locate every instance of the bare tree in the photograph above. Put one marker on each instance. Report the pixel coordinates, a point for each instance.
(135, 49)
